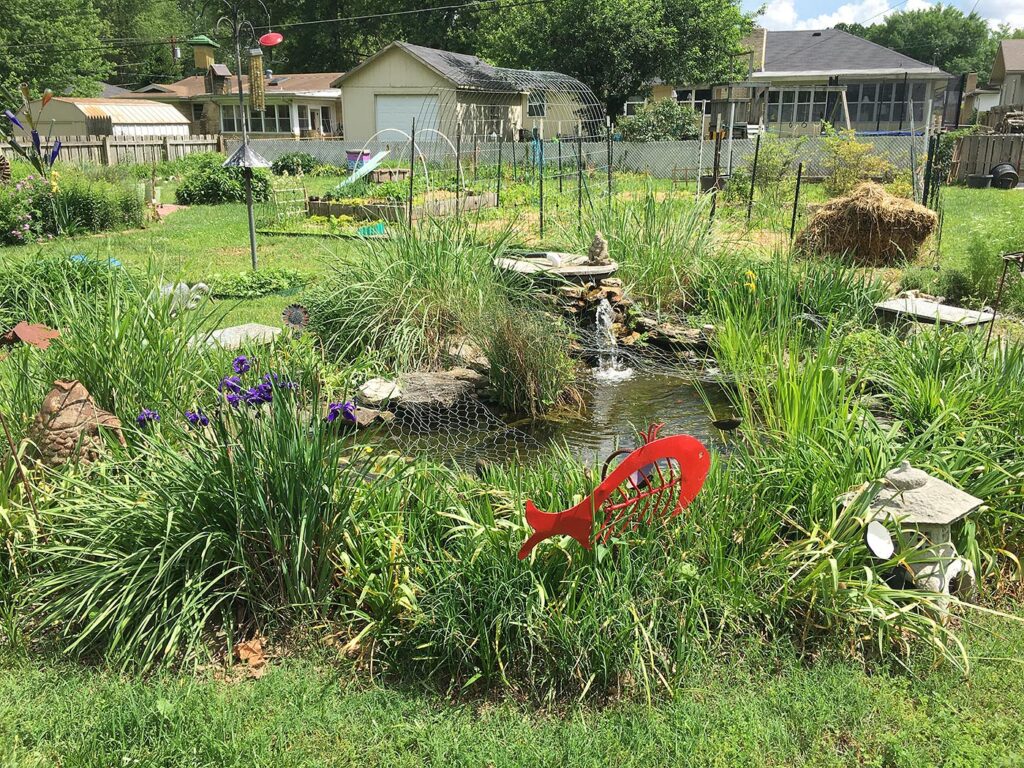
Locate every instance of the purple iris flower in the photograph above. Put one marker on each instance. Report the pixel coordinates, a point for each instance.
(260, 394)
(35, 142)
(147, 417)
(240, 364)
(233, 399)
(232, 384)
(10, 116)
(346, 410)
(197, 418)
(54, 152)
(272, 378)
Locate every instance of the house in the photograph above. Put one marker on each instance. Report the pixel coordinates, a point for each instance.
(297, 105)
(1008, 73)
(64, 116)
(797, 79)
(448, 92)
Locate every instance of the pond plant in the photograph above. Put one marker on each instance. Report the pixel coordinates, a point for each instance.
(251, 507)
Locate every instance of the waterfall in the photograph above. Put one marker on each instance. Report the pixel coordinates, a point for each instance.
(609, 367)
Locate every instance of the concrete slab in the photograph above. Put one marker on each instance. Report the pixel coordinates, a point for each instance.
(925, 311)
(240, 335)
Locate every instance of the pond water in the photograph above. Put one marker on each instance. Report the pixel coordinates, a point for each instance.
(615, 410)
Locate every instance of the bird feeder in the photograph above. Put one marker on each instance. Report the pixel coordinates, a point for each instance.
(925, 509)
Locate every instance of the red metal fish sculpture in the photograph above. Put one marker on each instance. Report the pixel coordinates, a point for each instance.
(657, 480)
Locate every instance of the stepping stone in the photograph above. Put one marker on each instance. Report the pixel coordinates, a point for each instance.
(239, 335)
(925, 311)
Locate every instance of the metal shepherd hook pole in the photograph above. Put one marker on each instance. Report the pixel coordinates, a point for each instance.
(236, 30)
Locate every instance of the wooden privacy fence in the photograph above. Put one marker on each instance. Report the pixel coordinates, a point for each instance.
(981, 153)
(112, 150)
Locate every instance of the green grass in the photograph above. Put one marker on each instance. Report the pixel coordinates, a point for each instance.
(763, 709)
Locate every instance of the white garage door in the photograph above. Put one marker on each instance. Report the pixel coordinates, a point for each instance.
(396, 112)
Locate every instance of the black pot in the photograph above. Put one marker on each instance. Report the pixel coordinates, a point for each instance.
(1004, 176)
(979, 180)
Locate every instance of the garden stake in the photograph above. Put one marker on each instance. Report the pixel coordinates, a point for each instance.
(497, 196)
(796, 200)
(558, 146)
(412, 165)
(1007, 258)
(610, 153)
(540, 160)
(753, 176)
(458, 168)
(579, 176)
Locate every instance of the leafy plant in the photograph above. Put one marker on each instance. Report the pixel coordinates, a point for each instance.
(847, 162)
(661, 120)
(294, 164)
(209, 183)
(255, 283)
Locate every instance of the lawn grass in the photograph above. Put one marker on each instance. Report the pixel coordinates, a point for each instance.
(758, 710)
(194, 243)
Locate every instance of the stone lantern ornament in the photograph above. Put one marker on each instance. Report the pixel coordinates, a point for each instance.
(925, 509)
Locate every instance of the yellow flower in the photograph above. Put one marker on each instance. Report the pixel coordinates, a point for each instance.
(752, 287)
(750, 276)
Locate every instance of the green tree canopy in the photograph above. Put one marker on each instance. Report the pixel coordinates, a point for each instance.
(138, 61)
(55, 45)
(619, 47)
(942, 35)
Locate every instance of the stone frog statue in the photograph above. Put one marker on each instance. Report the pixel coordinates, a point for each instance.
(68, 425)
(182, 296)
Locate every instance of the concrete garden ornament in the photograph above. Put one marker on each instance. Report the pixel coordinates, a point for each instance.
(924, 509)
(183, 296)
(654, 482)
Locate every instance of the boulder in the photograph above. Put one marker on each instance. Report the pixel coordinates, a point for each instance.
(465, 354)
(379, 391)
(442, 389)
(68, 425)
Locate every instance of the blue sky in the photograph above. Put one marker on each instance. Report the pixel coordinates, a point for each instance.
(818, 14)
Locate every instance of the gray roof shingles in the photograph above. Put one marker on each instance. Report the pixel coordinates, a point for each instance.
(833, 50)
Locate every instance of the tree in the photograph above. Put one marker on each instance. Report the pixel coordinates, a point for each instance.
(55, 45)
(138, 60)
(942, 35)
(619, 47)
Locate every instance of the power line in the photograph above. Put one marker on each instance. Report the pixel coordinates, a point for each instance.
(116, 44)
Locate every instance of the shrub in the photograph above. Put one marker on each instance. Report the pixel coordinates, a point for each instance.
(775, 168)
(294, 164)
(662, 120)
(848, 162)
(209, 183)
(255, 283)
(68, 203)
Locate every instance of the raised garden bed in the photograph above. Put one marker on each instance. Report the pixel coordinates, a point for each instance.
(380, 175)
(384, 211)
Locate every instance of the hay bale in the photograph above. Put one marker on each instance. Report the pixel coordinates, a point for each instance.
(870, 226)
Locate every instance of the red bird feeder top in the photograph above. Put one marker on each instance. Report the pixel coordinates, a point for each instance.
(270, 39)
(657, 480)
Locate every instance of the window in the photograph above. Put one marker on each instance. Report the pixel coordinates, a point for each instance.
(698, 98)
(536, 105)
(197, 113)
(803, 106)
(325, 119)
(788, 99)
(277, 119)
(229, 122)
(303, 117)
(255, 121)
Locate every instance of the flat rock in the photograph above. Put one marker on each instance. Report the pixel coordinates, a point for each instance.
(367, 417)
(378, 391)
(241, 335)
(926, 311)
(677, 338)
(443, 389)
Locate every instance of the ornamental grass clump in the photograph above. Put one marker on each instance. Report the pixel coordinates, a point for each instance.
(229, 516)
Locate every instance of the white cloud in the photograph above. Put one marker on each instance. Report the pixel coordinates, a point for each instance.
(782, 14)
